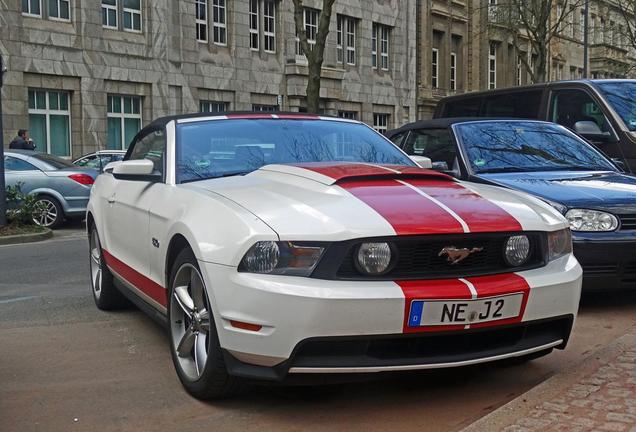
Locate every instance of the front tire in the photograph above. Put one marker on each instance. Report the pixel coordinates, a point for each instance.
(48, 212)
(194, 342)
(106, 295)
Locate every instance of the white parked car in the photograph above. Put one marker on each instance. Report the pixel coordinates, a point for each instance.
(277, 246)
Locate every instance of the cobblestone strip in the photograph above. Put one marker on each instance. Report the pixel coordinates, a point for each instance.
(599, 394)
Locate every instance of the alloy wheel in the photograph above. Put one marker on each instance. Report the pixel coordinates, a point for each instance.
(46, 213)
(190, 321)
(95, 263)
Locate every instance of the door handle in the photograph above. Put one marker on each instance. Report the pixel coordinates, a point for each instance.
(111, 199)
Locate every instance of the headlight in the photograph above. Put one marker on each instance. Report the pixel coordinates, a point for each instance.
(517, 250)
(281, 258)
(559, 244)
(374, 258)
(591, 220)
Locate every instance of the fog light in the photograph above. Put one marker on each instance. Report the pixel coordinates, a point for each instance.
(517, 250)
(374, 258)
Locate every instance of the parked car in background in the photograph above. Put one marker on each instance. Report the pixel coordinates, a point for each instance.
(99, 159)
(601, 111)
(552, 163)
(62, 188)
(283, 246)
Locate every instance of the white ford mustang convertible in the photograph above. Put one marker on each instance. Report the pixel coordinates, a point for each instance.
(277, 246)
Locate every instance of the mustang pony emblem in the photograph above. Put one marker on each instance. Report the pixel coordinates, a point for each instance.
(455, 256)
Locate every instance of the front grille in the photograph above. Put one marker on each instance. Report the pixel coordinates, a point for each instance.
(427, 348)
(418, 257)
(628, 222)
(600, 269)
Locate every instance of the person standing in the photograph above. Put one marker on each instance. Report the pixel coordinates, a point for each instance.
(22, 141)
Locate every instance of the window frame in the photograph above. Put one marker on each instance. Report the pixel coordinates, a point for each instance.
(254, 17)
(453, 71)
(435, 68)
(122, 116)
(381, 128)
(201, 23)
(47, 112)
(111, 7)
(132, 12)
(59, 9)
(32, 15)
(210, 103)
(267, 20)
(220, 25)
(492, 65)
(348, 114)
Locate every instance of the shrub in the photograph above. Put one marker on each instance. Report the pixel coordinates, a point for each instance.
(20, 207)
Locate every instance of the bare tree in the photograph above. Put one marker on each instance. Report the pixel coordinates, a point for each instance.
(628, 12)
(532, 25)
(315, 53)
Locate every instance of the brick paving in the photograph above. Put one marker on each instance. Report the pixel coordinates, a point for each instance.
(597, 395)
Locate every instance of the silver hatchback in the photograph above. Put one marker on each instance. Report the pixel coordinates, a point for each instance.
(62, 188)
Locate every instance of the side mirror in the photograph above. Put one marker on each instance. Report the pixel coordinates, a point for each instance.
(111, 166)
(422, 162)
(441, 166)
(590, 131)
(135, 170)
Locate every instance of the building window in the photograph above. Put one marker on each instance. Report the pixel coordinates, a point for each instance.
(582, 26)
(219, 22)
(253, 18)
(264, 108)
(349, 115)
(310, 17)
(50, 121)
(201, 20)
(380, 45)
(492, 66)
(124, 120)
(346, 40)
(381, 122)
(213, 107)
(519, 71)
(453, 71)
(269, 25)
(132, 15)
(435, 68)
(109, 13)
(32, 8)
(59, 10)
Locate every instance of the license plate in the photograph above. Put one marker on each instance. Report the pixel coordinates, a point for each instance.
(464, 312)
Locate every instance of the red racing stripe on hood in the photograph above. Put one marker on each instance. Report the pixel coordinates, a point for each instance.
(344, 170)
(479, 213)
(509, 283)
(408, 212)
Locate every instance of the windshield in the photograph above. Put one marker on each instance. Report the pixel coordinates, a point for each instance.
(53, 162)
(621, 95)
(526, 146)
(218, 148)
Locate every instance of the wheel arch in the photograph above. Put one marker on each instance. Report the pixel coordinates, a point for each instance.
(52, 193)
(178, 242)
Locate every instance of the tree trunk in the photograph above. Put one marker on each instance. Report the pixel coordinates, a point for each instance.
(313, 87)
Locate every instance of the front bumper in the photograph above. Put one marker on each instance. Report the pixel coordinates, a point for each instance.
(607, 264)
(319, 326)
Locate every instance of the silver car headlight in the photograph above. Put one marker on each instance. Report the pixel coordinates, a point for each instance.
(282, 258)
(374, 258)
(517, 250)
(591, 220)
(559, 244)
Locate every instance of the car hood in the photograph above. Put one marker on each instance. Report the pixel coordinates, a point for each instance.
(345, 201)
(575, 189)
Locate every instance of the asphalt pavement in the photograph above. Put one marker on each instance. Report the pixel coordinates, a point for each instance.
(65, 366)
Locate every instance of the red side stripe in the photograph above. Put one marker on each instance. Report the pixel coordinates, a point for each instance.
(149, 287)
(479, 213)
(407, 211)
(451, 289)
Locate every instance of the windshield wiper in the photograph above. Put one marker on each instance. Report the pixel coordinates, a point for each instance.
(501, 170)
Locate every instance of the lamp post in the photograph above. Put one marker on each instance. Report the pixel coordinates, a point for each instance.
(3, 200)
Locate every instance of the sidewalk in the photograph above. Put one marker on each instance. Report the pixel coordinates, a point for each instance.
(598, 394)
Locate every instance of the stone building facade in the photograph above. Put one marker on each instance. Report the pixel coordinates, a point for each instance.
(85, 75)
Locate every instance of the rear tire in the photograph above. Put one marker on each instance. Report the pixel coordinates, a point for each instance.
(107, 296)
(49, 212)
(194, 342)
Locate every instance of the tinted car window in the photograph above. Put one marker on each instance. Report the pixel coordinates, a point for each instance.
(622, 97)
(15, 164)
(468, 107)
(435, 144)
(571, 106)
(152, 147)
(397, 139)
(518, 105)
(209, 149)
(524, 146)
(53, 162)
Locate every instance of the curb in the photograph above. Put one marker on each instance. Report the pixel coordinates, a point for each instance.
(26, 238)
(523, 404)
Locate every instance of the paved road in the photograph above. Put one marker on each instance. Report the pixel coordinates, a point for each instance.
(65, 366)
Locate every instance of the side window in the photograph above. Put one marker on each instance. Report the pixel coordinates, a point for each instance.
(90, 162)
(519, 104)
(436, 144)
(571, 106)
(152, 147)
(15, 164)
(468, 107)
(398, 139)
